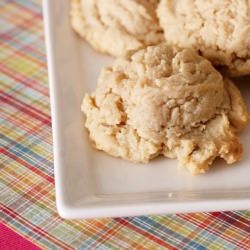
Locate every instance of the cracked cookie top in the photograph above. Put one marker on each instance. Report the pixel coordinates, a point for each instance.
(114, 26)
(218, 29)
(169, 101)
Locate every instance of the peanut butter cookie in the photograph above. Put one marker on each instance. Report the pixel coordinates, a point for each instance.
(166, 101)
(220, 30)
(114, 26)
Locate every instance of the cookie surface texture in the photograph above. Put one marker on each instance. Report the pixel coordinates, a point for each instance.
(166, 101)
(218, 29)
(114, 26)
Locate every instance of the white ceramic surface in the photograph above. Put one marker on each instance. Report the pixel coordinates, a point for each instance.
(90, 183)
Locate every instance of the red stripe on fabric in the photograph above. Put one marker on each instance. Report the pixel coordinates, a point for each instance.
(23, 107)
(11, 240)
(20, 51)
(28, 82)
(108, 234)
(9, 42)
(32, 59)
(30, 107)
(204, 225)
(239, 221)
(27, 127)
(34, 228)
(24, 163)
(39, 129)
(26, 23)
(37, 15)
(36, 193)
(145, 233)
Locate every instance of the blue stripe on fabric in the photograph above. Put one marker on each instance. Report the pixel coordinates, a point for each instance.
(155, 225)
(20, 150)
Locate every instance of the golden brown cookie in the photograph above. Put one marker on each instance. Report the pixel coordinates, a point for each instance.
(218, 29)
(163, 100)
(114, 26)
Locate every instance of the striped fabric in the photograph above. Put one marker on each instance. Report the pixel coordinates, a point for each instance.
(27, 197)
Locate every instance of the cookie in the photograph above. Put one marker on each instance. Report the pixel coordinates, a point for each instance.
(218, 29)
(166, 101)
(114, 26)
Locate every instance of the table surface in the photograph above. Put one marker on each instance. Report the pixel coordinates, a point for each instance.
(28, 216)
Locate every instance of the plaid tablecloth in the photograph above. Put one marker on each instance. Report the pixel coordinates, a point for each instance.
(27, 195)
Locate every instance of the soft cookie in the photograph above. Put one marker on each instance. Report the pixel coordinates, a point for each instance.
(114, 26)
(220, 30)
(169, 101)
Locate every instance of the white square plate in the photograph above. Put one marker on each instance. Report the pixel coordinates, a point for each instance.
(90, 183)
